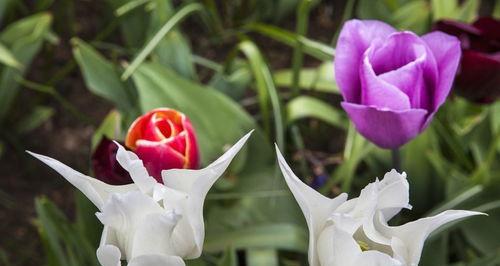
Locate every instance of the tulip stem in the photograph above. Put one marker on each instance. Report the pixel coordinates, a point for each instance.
(396, 159)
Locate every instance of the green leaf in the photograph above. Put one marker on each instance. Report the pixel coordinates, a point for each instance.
(4, 5)
(37, 117)
(278, 236)
(320, 79)
(133, 23)
(309, 107)
(265, 89)
(7, 58)
(261, 256)
(443, 9)
(381, 10)
(110, 127)
(234, 81)
(468, 11)
(355, 150)
(129, 6)
(217, 120)
(64, 245)
(229, 258)
(496, 10)
(86, 223)
(173, 50)
(24, 38)
(102, 77)
(414, 16)
(435, 252)
(156, 39)
(313, 48)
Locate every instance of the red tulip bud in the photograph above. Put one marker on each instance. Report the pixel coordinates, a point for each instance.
(163, 139)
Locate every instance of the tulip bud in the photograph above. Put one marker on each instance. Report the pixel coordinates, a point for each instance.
(479, 77)
(393, 82)
(164, 139)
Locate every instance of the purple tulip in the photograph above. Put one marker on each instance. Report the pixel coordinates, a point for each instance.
(393, 82)
(479, 76)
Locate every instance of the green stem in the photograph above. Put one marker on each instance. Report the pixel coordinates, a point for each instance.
(396, 159)
(298, 56)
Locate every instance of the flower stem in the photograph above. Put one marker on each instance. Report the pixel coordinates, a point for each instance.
(396, 159)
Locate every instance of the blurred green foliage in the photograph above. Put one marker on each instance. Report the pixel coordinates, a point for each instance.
(454, 164)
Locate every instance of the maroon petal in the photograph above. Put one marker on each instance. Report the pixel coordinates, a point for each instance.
(106, 167)
(489, 27)
(479, 77)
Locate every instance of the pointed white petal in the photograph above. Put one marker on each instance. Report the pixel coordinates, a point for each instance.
(196, 184)
(134, 166)
(183, 179)
(94, 189)
(316, 207)
(108, 255)
(408, 239)
(156, 260)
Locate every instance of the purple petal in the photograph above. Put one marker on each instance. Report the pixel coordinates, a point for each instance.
(354, 39)
(405, 61)
(387, 129)
(379, 93)
(446, 51)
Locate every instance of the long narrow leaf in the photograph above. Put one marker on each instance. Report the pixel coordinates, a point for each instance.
(313, 48)
(150, 46)
(309, 107)
(265, 86)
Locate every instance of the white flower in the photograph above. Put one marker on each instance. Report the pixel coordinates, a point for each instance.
(355, 232)
(148, 223)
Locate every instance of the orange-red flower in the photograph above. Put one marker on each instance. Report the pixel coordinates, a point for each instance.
(164, 139)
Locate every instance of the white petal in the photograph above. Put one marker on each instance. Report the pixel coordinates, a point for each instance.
(108, 237)
(125, 213)
(394, 194)
(197, 183)
(156, 260)
(134, 166)
(183, 179)
(154, 234)
(316, 207)
(108, 255)
(337, 247)
(375, 258)
(387, 196)
(345, 222)
(408, 239)
(172, 199)
(94, 189)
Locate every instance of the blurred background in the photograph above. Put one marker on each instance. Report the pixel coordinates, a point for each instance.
(73, 71)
